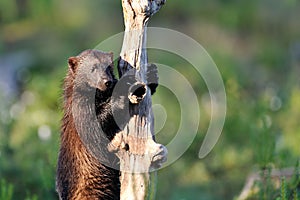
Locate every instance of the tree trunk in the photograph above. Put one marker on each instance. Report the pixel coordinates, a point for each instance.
(138, 152)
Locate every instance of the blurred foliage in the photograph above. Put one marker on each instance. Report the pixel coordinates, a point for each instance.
(255, 44)
(6, 190)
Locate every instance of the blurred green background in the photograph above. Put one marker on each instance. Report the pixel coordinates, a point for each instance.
(255, 44)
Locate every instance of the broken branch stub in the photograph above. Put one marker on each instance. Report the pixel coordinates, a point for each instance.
(135, 145)
(137, 12)
(137, 92)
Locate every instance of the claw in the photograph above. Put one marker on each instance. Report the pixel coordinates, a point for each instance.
(160, 157)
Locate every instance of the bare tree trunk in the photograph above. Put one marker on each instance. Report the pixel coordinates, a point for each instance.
(138, 152)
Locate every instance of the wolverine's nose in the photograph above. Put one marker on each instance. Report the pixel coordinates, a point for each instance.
(108, 84)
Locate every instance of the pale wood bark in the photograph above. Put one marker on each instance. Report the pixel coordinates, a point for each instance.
(136, 148)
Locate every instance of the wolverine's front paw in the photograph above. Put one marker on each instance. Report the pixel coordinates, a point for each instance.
(159, 156)
(123, 85)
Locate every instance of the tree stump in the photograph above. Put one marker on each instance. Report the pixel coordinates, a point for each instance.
(135, 146)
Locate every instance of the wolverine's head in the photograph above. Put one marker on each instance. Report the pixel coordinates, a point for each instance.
(93, 68)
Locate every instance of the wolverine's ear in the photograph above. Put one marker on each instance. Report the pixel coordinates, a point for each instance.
(73, 63)
(111, 55)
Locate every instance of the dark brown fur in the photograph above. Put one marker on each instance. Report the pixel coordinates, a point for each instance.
(79, 174)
